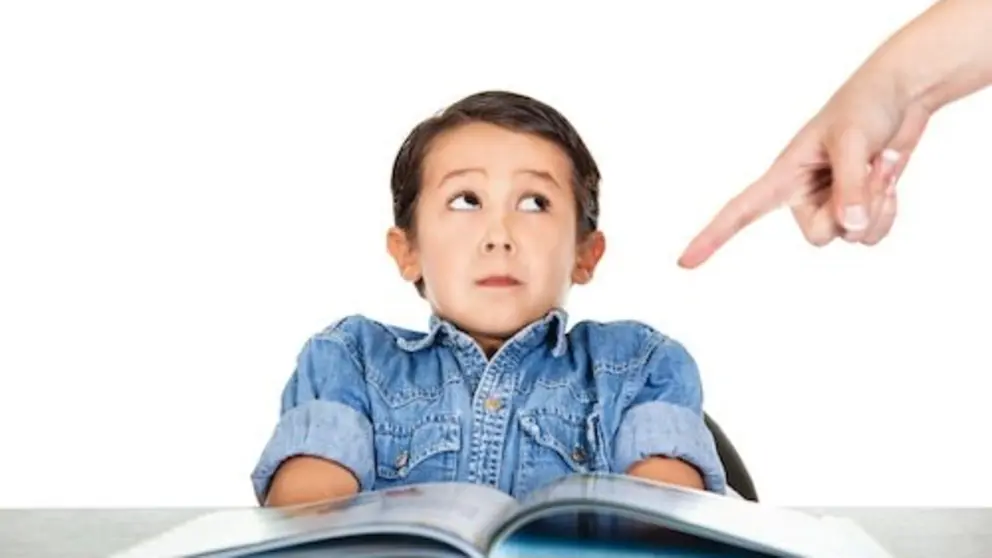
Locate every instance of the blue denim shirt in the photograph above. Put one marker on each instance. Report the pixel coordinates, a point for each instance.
(398, 407)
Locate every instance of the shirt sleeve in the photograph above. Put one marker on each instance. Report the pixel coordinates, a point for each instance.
(324, 413)
(665, 419)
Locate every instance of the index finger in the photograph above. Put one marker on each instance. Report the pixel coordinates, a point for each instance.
(743, 209)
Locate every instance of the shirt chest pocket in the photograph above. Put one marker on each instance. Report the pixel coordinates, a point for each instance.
(554, 444)
(424, 450)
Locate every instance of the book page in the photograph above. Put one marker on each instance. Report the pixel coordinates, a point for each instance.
(369, 546)
(468, 511)
(703, 514)
(465, 512)
(542, 545)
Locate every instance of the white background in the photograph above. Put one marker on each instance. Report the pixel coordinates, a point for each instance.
(190, 189)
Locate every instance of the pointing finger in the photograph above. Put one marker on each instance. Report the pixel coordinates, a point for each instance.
(755, 201)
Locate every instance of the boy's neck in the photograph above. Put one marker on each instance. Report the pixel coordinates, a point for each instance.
(490, 344)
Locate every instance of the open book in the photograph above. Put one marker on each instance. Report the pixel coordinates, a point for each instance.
(576, 516)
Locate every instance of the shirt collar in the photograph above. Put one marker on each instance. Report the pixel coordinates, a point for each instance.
(551, 329)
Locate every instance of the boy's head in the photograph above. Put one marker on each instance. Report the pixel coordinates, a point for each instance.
(495, 203)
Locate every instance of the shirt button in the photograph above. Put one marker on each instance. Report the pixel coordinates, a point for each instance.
(579, 455)
(493, 404)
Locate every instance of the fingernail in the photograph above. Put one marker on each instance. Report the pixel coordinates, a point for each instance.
(889, 158)
(855, 218)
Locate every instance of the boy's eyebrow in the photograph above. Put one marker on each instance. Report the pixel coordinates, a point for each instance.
(543, 175)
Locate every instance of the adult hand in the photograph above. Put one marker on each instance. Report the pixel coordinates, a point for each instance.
(837, 175)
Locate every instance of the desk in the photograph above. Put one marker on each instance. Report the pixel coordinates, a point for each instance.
(906, 532)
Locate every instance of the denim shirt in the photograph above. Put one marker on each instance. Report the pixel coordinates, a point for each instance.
(397, 407)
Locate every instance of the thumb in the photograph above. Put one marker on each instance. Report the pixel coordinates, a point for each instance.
(849, 159)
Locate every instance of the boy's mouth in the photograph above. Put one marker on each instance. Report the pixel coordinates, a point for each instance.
(498, 281)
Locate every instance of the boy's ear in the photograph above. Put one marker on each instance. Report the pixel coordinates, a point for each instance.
(587, 257)
(404, 254)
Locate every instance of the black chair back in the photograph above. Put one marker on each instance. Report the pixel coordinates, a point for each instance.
(737, 476)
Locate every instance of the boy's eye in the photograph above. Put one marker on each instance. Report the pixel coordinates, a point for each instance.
(464, 201)
(535, 203)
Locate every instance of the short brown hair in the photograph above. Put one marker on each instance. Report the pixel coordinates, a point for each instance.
(508, 110)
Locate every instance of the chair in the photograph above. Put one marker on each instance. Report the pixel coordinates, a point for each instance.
(737, 476)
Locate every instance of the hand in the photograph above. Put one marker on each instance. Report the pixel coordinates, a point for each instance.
(838, 173)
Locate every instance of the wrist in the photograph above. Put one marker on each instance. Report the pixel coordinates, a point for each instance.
(941, 56)
(913, 87)
(923, 85)
(902, 81)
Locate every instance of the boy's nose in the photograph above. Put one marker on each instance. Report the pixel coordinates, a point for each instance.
(505, 246)
(498, 238)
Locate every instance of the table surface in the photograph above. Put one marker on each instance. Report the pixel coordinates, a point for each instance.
(94, 533)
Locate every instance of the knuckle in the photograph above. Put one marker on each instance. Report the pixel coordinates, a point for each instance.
(818, 238)
(846, 136)
(872, 240)
(853, 238)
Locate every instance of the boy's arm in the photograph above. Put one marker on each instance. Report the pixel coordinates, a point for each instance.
(665, 469)
(662, 434)
(304, 479)
(322, 446)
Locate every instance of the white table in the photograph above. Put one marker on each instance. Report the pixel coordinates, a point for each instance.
(72, 533)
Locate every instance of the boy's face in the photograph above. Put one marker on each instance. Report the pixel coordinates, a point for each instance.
(496, 239)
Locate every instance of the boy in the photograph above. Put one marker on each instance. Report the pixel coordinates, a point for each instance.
(495, 204)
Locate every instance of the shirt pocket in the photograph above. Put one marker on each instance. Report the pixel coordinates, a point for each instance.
(424, 450)
(554, 444)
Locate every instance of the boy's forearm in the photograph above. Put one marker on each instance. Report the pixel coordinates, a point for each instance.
(303, 479)
(941, 56)
(663, 469)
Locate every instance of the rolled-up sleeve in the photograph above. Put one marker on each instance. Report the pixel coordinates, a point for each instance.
(324, 413)
(665, 418)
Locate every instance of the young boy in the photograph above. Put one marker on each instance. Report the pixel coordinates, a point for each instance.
(496, 205)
